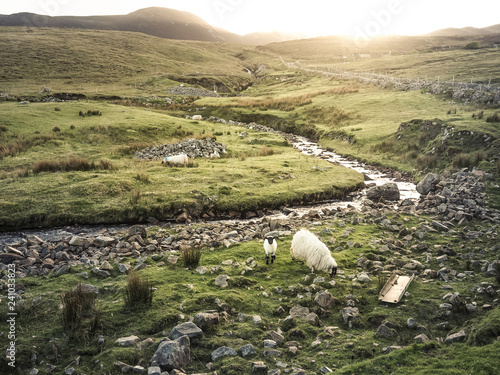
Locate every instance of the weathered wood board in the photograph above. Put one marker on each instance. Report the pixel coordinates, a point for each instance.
(395, 288)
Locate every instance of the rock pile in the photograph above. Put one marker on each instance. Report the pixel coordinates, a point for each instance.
(457, 197)
(193, 148)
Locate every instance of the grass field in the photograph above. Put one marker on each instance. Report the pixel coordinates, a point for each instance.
(116, 63)
(123, 189)
(257, 292)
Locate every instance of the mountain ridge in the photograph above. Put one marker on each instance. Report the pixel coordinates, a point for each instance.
(156, 21)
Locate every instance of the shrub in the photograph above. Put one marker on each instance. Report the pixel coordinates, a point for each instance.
(90, 113)
(138, 292)
(473, 45)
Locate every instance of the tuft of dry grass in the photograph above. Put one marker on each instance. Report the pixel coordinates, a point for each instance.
(71, 164)
(266, 151)
(138, 292)
(77, 304)
(190, 255)
(427, 161)
(495, 117)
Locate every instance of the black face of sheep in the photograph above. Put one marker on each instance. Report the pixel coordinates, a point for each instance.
(334, 272)
(270, 246)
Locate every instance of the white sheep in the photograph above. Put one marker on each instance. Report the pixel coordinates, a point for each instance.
(197, 117)
(270, 246)
(308, 248)
(180, 159)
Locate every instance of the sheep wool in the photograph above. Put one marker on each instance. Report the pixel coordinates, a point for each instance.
(180, 159)
(308, 248)
(270, 246)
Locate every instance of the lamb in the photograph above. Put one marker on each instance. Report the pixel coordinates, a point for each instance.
(308, 248)
(270, 246)
(180, 159)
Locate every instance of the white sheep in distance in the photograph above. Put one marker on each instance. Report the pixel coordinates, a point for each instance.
(308, 248)
(270, 246)
(176, 160)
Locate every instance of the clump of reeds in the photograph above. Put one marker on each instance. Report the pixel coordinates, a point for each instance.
(138, 292)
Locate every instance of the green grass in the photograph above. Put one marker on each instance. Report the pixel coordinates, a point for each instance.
(40, 326)
(118, 63)
(259, 171)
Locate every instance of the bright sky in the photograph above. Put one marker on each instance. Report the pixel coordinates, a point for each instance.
(359, 18)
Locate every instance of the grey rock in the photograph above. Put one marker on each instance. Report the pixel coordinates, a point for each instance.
(425, 186)
(188, 329)
(324, 299)
(384, 331)
(422, 338)
(456, 337)
(222, 281)
(206, 319)
(388, 192)
(350, 315)
(247, 350)
(173, 354)
(127, 341)
(223, 351)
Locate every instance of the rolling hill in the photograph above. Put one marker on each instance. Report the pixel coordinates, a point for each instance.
(156, 21)
(466, 31)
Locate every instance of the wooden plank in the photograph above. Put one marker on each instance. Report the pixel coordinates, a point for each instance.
(395, 288)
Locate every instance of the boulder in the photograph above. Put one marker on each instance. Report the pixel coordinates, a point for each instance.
(388, 192)
(173, 354)
(428, 184)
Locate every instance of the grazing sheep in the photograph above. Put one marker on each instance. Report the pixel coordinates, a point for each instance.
(270, 246)
(176, 159)
(308, 248)
(197, 117)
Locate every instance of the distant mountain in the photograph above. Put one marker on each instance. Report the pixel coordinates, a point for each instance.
(156, 21)
(467, 31)
(260, 38)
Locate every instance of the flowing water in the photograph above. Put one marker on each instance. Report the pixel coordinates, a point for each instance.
(373, 176)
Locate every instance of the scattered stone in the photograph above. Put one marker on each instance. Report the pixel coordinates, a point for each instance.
(188, 329)
(223, 351)
(384, 331)
(127, 341)
(456, 337)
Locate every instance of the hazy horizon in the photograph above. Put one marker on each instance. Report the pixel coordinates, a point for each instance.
(362, 18)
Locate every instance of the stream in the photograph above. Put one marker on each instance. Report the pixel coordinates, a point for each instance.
(373, 177)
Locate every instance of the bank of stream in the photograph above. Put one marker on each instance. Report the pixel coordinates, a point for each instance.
(373, 176)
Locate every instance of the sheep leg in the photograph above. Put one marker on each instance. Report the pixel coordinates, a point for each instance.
(312, 269)
(273, 257)
(267, 258)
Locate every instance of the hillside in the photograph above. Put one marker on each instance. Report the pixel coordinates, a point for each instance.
(466, 31)
(113, 63)
(156, 21)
